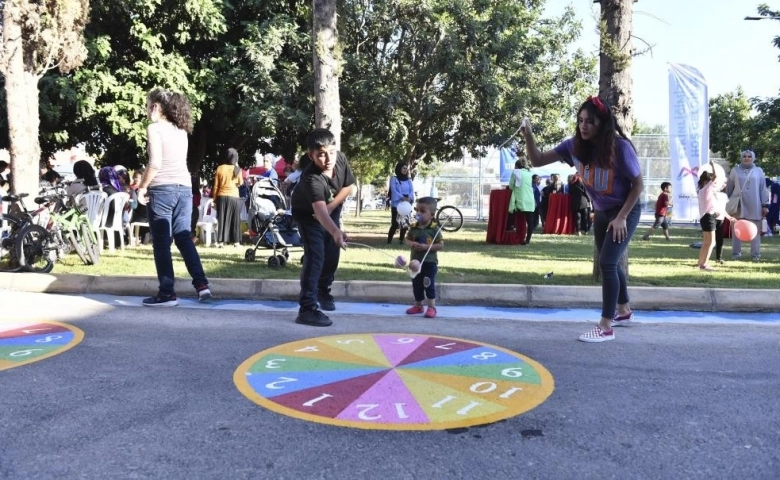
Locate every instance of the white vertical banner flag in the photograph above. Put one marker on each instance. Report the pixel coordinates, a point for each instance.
(689, 136)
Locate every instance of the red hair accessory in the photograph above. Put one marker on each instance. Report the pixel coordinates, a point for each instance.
(596, 101)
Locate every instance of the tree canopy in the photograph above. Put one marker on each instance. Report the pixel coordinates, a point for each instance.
(428, 80)
(421, 81)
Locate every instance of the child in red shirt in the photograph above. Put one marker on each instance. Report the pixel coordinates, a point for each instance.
(662, 205)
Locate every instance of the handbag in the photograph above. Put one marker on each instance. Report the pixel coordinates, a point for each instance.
(734, 204)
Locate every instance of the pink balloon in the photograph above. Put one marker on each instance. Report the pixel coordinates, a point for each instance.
(745, 230)
(414, 266)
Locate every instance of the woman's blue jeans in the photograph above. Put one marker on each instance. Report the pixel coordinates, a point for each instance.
(170, 211)
(614, 285)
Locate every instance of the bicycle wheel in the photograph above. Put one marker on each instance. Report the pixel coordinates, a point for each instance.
(450, 219)
(32, 249)
(90, 244)
(78, 248)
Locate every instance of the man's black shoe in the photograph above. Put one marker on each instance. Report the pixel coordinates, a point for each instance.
(326, 302)
(314, 318)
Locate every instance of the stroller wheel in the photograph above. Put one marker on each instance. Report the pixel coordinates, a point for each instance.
(273, 262)
(282, 260)
(249, 255)
(286, 254)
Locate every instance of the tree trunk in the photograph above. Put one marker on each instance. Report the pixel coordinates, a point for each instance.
(21, 92)
(327, 109)
(615, 82)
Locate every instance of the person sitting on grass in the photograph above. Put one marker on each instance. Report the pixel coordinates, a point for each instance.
(425, 239)
(662, 205)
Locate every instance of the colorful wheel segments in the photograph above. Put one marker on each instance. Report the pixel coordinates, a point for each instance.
(26, 342)
(394, 381)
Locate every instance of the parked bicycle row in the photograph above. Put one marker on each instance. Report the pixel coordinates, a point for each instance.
(34, 240)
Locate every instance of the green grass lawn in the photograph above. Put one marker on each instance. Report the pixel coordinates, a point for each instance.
(467, 258)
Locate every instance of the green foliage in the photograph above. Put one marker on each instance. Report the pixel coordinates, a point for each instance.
(241, 66)
(641, 128)
(429, 80)
(730, 130)
(766, 133)
(738, 123)
(422, 81)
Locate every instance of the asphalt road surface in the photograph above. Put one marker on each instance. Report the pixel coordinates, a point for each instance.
(149, 393)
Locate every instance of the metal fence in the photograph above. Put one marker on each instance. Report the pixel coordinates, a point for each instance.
(470, 193)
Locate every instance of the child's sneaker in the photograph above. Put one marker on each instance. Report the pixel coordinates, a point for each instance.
(623, 320)
(597, 335)
(431, 312)
(161, 300)
(204, 294)
(414, 310)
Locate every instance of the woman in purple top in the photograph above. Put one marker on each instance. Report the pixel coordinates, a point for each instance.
(606, 162)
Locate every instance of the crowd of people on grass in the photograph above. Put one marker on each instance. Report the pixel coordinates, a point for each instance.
(604, 194)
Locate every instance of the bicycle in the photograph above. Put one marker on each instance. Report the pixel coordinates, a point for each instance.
(28, 243)
(80, 235)
(450, 218)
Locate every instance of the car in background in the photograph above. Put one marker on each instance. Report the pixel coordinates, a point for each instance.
(374, 204)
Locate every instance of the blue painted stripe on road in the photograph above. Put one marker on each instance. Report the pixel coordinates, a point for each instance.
(498, 313)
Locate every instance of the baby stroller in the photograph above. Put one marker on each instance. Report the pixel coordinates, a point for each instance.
(270, 224)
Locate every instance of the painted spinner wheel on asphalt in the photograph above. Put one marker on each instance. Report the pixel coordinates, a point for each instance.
(29, 341)
(394, 381)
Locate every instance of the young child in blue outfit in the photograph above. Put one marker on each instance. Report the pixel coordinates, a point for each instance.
(422, 235)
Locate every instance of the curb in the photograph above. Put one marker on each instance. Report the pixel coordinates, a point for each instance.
(487, 295)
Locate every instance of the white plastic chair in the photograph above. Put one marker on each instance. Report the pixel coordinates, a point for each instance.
(207, 220)
(94, 201)
(119, 200)
(133, 232)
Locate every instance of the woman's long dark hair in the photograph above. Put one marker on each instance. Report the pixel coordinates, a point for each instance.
(600, 151)
(84, 171)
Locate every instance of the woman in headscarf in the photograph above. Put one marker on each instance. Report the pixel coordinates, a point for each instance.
(227, 179)
(110, 183)
(748, 181)
(109, 180)
(401, 190)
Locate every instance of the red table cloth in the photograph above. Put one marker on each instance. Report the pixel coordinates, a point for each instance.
(498, 218)
(560, 219)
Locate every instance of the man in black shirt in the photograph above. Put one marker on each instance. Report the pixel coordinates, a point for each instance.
(316, 207)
